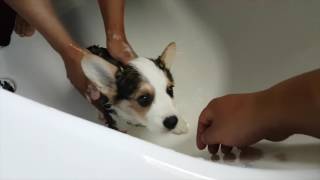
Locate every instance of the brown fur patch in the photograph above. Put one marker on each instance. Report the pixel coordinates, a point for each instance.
(144, 89)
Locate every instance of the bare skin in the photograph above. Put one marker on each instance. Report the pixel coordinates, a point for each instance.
(40, 15)
(290, 107)
(113, 15)
(23, 28)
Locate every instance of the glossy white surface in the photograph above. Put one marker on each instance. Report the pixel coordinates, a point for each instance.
(223, 47)
(39, 142)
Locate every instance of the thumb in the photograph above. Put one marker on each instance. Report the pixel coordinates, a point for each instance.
(210, 136)
(204, 122)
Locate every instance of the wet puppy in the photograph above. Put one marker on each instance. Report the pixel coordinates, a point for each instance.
(139, 93)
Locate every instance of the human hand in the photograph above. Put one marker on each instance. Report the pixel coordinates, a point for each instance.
(72, 59)
(119, 48)
(75, 74)
(238, 120)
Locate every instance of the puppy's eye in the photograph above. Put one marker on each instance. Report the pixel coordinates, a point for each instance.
(170, 91)
(145, 100)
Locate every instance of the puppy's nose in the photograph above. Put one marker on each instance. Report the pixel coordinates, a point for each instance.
(170, 122)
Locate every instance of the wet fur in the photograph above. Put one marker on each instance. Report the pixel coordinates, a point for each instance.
(128, 83)
(128, 78)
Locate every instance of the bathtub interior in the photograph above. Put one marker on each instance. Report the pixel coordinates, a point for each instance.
(223, 47)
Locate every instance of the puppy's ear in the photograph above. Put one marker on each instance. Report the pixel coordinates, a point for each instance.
(168, 54)
(100, 72)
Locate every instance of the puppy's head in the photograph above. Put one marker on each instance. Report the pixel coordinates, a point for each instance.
(141, 92)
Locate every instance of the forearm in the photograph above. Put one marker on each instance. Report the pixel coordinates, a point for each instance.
(113, 17)
(296, 102)
(40, 14)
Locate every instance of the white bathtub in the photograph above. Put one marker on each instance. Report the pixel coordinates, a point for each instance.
(223, 47)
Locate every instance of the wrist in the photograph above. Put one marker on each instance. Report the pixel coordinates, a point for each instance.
(72, 53)
(117, 35)
(274, 115)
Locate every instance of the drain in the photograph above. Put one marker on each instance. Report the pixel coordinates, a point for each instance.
(8, 84)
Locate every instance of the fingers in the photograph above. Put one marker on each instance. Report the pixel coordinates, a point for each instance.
(17, 28)
(213, 149)
(207, 133)
(29, 31)
(204, 122)
(209, 136)
(200, 130)
(23, 28)
(226, 149)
